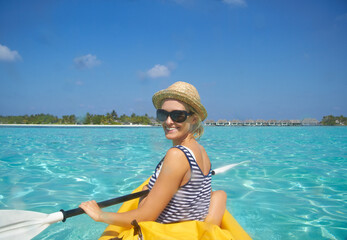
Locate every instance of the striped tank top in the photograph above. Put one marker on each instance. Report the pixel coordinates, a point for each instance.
(192, 200)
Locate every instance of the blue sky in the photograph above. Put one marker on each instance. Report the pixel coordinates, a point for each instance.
(249, 59)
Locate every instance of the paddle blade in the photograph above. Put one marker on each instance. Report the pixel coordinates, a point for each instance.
(227, 167)
(18, 224)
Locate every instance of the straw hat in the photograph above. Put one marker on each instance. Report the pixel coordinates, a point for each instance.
(183, 92)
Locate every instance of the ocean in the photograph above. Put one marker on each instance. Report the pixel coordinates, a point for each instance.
(293, 187)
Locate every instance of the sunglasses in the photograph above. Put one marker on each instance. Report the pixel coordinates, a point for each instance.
(178, 116)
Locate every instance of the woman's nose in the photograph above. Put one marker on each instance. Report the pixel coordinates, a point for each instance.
(168, 120)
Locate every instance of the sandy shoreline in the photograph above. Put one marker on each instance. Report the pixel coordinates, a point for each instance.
(75, 126)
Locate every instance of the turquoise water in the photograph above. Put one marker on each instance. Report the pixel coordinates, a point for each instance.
(294, 186)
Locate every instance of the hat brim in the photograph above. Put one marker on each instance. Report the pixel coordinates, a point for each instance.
(172, 94)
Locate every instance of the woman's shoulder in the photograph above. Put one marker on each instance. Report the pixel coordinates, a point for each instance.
(196, 148)
(175, 155)
(175, 161)
(175, 152)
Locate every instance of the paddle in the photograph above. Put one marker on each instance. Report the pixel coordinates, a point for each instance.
(227, 167)
(20, 224)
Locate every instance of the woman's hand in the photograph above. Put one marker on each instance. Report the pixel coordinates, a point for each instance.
(92, 209)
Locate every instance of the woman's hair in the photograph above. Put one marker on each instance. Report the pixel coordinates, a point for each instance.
(197, 129)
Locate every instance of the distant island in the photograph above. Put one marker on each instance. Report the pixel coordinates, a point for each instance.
(112, 118)
(89, 119)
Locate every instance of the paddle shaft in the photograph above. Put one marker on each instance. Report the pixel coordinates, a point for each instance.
(17, 224)
(107, 203)
(117, 200)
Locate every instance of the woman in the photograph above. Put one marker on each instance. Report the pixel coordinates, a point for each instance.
(180, 188)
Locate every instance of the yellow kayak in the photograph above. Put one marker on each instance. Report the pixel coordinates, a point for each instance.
(229, 230)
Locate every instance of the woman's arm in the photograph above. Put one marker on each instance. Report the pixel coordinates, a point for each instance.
(175, 166)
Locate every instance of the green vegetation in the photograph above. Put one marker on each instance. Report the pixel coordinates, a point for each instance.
(334, 121)
(32, 119)
(107, 119)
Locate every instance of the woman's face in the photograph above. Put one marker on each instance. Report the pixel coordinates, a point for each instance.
(173, 130)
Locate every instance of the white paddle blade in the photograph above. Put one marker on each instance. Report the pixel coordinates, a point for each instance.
(18, 224)
(227, 167)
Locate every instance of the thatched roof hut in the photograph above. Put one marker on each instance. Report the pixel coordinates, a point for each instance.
(210, 123)
(222, 122)
(310, 122)
(260, 122)
(236, 122)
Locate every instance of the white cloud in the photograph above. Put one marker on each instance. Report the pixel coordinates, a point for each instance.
(87, 61)
(7, 55)
(158, 71)
(239, 3)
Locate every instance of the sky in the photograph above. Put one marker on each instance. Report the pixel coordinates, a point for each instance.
(249, 59)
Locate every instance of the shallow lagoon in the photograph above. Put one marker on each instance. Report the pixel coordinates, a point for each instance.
(294, 186)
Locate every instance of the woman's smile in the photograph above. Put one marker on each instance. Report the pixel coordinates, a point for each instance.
(174, 130)
(170, 129)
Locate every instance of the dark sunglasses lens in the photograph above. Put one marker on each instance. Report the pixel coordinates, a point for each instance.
(162, 115)
(178, 116)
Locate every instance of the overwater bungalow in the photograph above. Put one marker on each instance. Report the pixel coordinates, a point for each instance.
(310, 122)
(249, 122)
(210, 123)
(236, 122)
(260, 122)
(271, 122)
(284, 122)
(222, 122)
(295, 123)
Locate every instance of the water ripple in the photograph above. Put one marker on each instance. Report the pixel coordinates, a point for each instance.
(293, 188)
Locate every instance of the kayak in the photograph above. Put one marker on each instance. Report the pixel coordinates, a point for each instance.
(230, 229)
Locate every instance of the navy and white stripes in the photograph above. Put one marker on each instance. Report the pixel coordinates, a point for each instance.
(192, 200)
